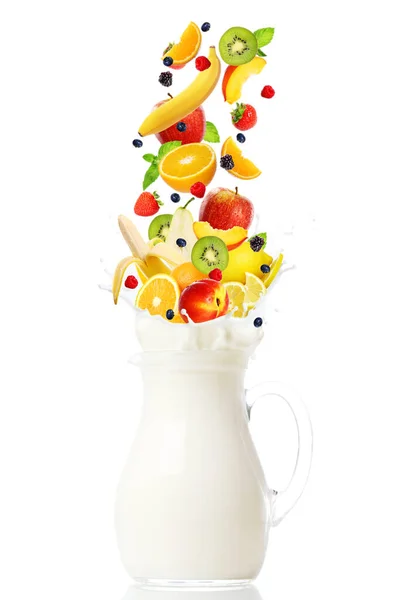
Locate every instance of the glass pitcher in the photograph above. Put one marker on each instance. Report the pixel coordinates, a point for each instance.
(193, 507)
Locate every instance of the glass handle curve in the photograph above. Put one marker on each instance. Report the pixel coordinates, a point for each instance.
(284, 501)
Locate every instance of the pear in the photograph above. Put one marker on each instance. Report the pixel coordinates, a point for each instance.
(182, 227)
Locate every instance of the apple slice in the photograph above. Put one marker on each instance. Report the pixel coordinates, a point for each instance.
(240, 75)
(232, 237)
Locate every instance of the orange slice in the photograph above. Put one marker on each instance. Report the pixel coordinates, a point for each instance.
(188, 164)
(159, 294)
(244, 168)
(187, 48)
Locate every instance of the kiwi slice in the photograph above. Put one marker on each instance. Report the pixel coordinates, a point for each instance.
(210, 253)
(159, 227)
(238, 46)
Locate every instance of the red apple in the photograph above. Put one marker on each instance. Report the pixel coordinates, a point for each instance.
(195, 128)
(225, 209)
(204, 300)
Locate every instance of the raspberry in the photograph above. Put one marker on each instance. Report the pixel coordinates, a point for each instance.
(256, 243)
(216, 274)
(198, 190)
(202, 63)
(268, 92)
(165, 79)
(131, 282)
(226, 162)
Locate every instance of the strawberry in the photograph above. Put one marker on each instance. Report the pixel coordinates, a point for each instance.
(198, 189)
(147, 204)
(244, 116)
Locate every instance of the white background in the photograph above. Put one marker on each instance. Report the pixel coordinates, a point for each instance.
(77, 78)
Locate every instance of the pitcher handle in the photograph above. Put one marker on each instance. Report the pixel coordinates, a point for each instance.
(284, 501)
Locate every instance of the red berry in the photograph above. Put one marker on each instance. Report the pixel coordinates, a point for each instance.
(268, 92)
(202, 63)
(244, 116)
(147, 204)
(216, 274)
(131, 282)
(198, 189)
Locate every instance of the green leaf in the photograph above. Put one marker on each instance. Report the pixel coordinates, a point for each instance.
(211, 134)
(264, 36)
(261, 53)
(149, 157)
(150, 176)
(167, 148)
(238, 112)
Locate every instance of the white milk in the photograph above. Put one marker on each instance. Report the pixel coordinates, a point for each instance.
(193, 503)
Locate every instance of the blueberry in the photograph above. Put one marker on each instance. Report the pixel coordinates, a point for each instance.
(181, 242)
(168, 61)
(206, 27)
(175, 197)
(137, 143)
(181, 126)
(170, 314)
(265, 268)
(241, 138)
(258, 322)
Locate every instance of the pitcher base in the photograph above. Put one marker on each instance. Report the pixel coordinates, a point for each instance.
(193, 584)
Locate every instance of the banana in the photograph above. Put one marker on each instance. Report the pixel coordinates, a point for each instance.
(120, 272)
(186, 102)
(133, 238)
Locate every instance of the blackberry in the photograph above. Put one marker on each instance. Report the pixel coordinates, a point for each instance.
(265, 268)
(181, 242)
(170, 314)
(256, 243)
(258, 322)
(226, 162)
(241, 138)
(165, 79)
(181, 126)
(168, 61)
(175, 197)
(137, 143)
(206, 27)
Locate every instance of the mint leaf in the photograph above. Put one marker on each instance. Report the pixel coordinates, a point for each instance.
(149, 157)
(261, 53)
(211, 134)
(166, 148)
(264, 36)
(150, 176)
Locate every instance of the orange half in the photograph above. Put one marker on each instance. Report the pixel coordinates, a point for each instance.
(188, 164)
(187, 48)
(244, 168)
